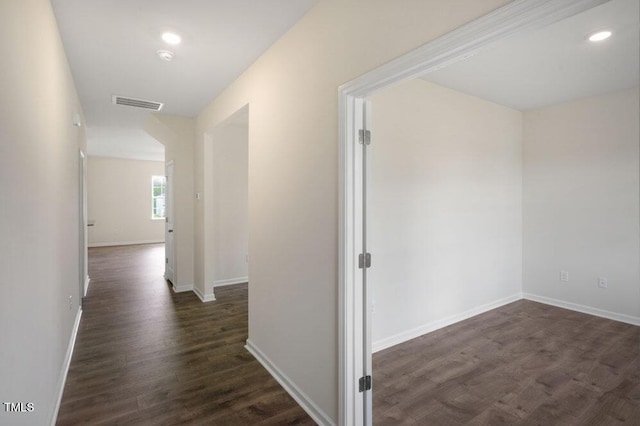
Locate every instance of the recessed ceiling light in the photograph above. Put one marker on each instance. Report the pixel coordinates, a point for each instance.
(171, 38)
(599, 36)
(165, 55)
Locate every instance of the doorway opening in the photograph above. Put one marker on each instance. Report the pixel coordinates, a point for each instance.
(226, 203)
(126, 196)
(356, 242)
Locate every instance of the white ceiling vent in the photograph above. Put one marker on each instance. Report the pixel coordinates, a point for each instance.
(137, 103)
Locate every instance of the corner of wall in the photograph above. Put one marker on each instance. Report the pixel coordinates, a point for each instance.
(315, 412)
(177, 134)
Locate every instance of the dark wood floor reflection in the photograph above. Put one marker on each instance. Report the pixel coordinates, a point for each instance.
(145, 355)
(523, 364)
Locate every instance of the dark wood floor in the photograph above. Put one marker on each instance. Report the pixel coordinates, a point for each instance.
(523, 364)
(147, 356)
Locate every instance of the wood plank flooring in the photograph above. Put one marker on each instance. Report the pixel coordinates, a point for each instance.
(523, 364)
(147, 356)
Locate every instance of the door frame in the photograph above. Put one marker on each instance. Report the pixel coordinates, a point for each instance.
(209, 241)
(84, 223)
(461, 43)
(169, 224)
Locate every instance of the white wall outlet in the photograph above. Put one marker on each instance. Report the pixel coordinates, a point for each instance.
(70, 302)
(603, 282)
(564, 276)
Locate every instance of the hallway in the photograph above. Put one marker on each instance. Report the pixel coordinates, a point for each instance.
(146, 355)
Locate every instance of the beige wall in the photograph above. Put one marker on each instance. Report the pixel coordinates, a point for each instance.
(177, 134)
(293, 171)
(119, 201)
(445, 208)
(581, 203)
(230, 204)
(39, 209)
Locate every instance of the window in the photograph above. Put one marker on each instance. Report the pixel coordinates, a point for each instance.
(158, 188)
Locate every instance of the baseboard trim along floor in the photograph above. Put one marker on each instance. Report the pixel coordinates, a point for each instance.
(300, 397)
(65, 366)
(441, 323)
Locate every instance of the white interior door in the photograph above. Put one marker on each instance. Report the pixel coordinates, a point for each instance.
(169, 245)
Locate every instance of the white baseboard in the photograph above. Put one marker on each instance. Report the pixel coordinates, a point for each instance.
(231, 281)
(438, 324)
(125, 243)
(204, 297)
(584, 309)
(193, 288)
(86, 285)
(182, 288)
(300, 397)
(65, 365)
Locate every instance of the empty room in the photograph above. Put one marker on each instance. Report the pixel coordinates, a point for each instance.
(502, 221)
(125, 198)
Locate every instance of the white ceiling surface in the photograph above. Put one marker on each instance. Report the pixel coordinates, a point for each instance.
(555, 64)
(111, 47)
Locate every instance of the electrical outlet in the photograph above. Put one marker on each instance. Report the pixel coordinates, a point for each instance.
(70, 302)
(603, 282)
(564, 276)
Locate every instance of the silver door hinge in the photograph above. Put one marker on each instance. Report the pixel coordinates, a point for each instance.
(365, 383)
(364, 260)
(364, 136)
(166, 260)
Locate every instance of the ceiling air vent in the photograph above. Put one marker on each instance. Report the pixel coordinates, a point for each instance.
(137, 103)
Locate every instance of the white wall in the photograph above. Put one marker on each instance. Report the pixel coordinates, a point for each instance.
(293, 172)
(445, 225)
(119, 201)
(39, 210)
(445, 207)
(581, 202)
(230, 204)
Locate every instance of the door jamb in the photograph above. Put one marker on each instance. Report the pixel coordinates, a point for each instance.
(84, 231)
(461, 43)
(166, 229)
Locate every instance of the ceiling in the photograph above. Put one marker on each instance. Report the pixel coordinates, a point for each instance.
(111, 47)
(554, 64)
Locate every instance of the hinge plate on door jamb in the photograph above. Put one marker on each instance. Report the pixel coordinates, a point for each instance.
(364, 384)
(364, 136)
(364, 260)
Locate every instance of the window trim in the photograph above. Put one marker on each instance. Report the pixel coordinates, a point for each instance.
(154, 207)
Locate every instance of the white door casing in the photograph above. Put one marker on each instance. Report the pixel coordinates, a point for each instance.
(169, 245)
(354, 307)
(84, 232)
